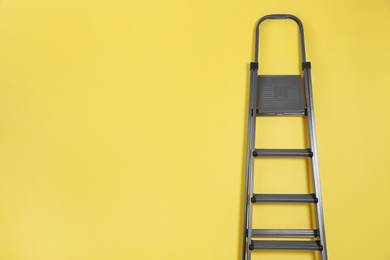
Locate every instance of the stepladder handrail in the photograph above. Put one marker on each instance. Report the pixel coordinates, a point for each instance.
(281, 17)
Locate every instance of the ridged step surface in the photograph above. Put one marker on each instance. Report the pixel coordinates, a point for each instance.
(282, 113)
(300, 153)
(285, 233)
(280, 94)
(288, 245)
(284, 198)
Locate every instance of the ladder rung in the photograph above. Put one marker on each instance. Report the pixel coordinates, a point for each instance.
(284, 198)
(297, 113)
(282, 153)
(285, 233)
(286, 245)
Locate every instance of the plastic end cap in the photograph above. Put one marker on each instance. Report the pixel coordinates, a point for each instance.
(254, 153)
(251, 246)
(254, 66)
(253, 199)
(306, 65)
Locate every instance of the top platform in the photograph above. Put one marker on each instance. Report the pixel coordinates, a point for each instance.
(280, 95)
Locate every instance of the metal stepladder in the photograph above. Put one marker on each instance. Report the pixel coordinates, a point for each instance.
(281, 95)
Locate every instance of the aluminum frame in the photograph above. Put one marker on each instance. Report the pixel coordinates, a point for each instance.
(248, 232)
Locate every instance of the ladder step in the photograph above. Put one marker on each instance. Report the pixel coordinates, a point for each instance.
(282, 153)
(282, 113)
(286, 245)
(284, 198)
(285, 233)
(280, 94)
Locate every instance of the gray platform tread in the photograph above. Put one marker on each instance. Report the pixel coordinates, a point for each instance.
(289, 153)
(284, 232)
(288, 245)
(283, 113)
(280, 94)
(284, 198)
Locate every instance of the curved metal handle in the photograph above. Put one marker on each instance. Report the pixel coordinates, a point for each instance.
(280, 17)
(277, 16)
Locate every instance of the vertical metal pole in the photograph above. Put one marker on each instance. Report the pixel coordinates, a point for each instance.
(314, 159)
(253, 74)
(252, 161)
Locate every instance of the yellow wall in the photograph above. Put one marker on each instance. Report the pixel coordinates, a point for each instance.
(123, 124)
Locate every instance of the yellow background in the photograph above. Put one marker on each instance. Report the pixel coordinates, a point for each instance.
(123, 127)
